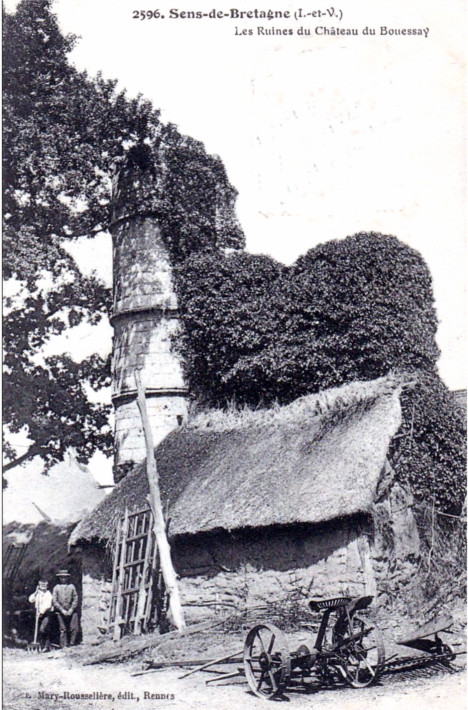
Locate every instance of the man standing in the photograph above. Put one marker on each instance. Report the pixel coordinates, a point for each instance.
(65, 600)
(42, 599)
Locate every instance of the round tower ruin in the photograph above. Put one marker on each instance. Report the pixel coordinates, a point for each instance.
(145, 315)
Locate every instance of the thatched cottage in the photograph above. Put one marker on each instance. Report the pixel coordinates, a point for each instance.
(264, 502)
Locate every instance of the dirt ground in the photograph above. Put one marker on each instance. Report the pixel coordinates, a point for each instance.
(49, 681)
(33, 681)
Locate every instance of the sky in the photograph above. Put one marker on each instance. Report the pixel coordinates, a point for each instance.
(66, 495)
(322, 135)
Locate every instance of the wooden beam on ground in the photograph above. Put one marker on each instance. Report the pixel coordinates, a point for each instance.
(161, 665)
(136, 644)
(223, 659)
(239, 672)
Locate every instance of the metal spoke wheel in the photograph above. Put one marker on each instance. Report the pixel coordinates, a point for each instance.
(363, 658)
(267, 662)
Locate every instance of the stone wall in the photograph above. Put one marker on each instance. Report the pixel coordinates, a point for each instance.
(164, 412)
(248, 568)
(142, 271)
(268, 565)
(396, 552)
(97, 585)
(350, 557)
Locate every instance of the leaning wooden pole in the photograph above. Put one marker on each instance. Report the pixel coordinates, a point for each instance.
(159, 527)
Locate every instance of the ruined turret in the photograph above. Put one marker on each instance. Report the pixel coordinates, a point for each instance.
(145, 314)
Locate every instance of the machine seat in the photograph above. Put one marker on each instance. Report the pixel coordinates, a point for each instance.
(320, 604)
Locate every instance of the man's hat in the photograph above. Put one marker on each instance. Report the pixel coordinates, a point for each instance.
(62, 573)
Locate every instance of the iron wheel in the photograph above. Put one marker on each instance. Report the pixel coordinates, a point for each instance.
(267, 662)
(363, 659)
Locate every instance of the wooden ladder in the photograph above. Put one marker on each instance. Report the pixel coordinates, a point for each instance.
(135, 568)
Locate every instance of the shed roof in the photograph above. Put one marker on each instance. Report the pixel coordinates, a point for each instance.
(316, 459)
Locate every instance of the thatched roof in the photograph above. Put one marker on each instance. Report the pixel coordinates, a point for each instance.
(46, 553)
(316, 459)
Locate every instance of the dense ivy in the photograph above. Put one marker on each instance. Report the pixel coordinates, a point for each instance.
(430, 451)
(227, 304)
(185, 188)
(257, 332)
(358, 308)
(198, 200)
(347, 310)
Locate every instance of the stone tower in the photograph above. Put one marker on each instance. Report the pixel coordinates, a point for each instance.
(145, 312)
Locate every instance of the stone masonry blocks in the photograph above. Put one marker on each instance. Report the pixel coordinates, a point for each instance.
(142, 271)
(145, 322)
(165, 414)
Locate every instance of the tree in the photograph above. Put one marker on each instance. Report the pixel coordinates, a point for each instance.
(44, 190)
(64, 135)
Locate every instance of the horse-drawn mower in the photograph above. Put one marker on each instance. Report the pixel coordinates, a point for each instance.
(347, 649)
